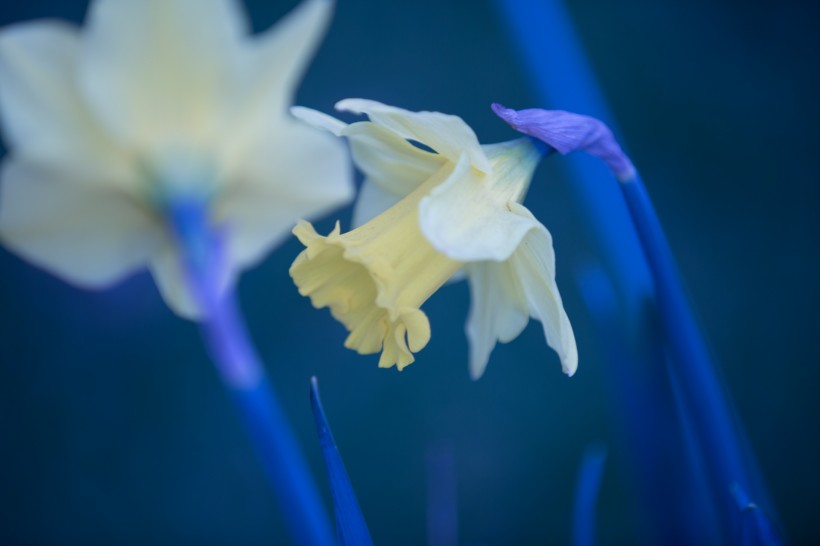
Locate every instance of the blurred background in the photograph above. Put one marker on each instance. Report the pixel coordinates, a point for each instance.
(114, 427)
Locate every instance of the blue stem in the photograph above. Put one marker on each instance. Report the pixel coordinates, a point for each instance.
(664, 476)
(243, 374)
(700, 388)
(556, 63)
(755, 527)
(586, 496)
(562, 75)
(351, 529)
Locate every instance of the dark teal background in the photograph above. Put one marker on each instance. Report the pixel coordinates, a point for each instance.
(114, 428)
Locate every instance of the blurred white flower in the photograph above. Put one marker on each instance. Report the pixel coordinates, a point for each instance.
(157, 103)
(423, 216)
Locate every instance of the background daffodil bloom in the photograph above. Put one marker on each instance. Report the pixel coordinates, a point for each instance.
(157, 103)
(425, 215)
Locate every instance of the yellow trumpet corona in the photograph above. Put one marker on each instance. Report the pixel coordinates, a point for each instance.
(375, 278)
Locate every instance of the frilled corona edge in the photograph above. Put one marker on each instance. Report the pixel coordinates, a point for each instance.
(375, 278)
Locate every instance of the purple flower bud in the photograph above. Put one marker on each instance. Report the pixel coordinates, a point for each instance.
(567, 132)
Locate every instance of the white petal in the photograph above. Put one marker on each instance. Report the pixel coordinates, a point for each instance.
(446, 134)
(534, 265)
(160, 73)
(498, 310)
(274, 64)
(384, 157)
(371, 202)
(468, 218)
(318, 119)
(44, 117)
(302, 173)
(389, 160)
(167, 271)
(87, 235)
(173, 282)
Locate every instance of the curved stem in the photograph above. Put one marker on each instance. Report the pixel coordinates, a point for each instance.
(731, 465)
(243, 375)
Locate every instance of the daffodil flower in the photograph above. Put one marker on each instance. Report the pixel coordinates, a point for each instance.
(156, 105)
(425, 215)
(160, 136)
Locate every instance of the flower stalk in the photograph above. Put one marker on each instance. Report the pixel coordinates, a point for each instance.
(567, 79)
(700, 389)
(242, 372)
(586, 496)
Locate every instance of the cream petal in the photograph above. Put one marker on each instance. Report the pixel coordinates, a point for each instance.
(534, 265)
(274, 65)
(166, 268)
(372, 201)
(468, 218)
(384, 157)
(319, 120)
(45, 118)
(498, 310)
(281, 56)
(444, 133)
(302, 173)
(161, 73)
(388, 160)
(87, 235)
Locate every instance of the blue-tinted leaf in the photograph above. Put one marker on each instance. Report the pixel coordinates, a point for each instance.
(351, 528)
(586, 496)
(755, 527)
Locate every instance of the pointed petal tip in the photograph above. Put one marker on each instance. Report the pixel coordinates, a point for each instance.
(569, 362)
(507, 114)
(356, 105)
(568, 132)
(318, 120)
(315, 399)
(477, 370)
(319, 416)
(319, 12)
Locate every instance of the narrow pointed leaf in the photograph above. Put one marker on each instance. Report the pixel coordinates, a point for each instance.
(351, 529)
(755, 527)
(586, 496)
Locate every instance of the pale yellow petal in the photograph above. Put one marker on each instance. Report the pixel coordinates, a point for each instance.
(468, 218)
(87, 235)
(534, 265)
(498, 310)
(301, 173)
(446, 134)
(161, 73)
(389, 160)
(318, 119)
(44, 117)
(167, 270)
(273, 65)
(385, 158)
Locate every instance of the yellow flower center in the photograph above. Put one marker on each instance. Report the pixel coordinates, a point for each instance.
(375, 278)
